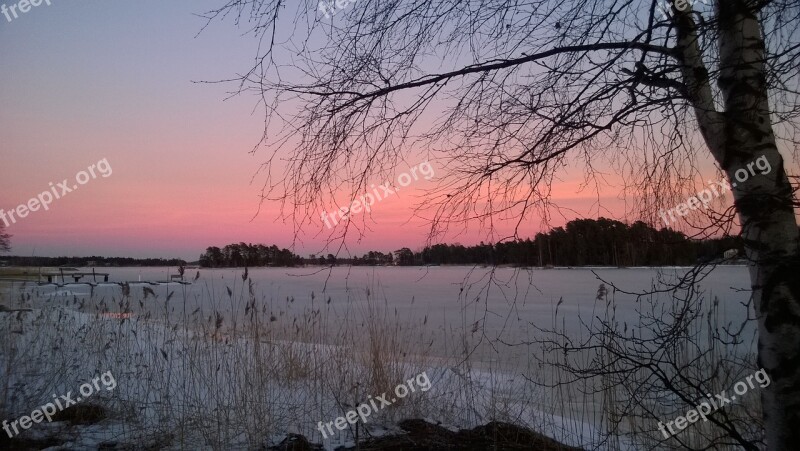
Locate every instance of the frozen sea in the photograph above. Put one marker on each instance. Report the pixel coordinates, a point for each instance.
(185, 353)
(489, 306)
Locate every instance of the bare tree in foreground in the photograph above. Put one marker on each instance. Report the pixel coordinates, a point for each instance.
(505, 94)
(648, 370)
(5, 240)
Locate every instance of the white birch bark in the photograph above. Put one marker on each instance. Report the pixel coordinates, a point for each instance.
(737, 136)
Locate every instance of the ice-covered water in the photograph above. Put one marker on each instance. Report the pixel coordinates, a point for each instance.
(488, 306)
(445, 314)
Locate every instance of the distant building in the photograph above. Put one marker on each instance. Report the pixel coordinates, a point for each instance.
(91, 263)
(731, 253)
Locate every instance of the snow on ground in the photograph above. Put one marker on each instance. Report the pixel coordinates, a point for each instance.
(220, 365)
(182, 387)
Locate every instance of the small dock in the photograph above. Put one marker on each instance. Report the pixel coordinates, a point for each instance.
(103, 284)
(51, 276)
(76, 276)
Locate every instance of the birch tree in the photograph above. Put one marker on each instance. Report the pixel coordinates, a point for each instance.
(504, 94)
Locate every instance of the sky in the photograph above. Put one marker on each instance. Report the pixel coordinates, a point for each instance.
(115, 82)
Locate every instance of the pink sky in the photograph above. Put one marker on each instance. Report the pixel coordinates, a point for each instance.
(85, 82)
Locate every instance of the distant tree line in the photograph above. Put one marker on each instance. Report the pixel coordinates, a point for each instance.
(89, 261)
(582, 242)
(251, 255)
(586, 242)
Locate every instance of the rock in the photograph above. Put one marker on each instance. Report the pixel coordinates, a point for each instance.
(81, 414)
(497, 436)
(295, 442)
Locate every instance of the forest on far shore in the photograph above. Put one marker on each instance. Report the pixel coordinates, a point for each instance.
(582, 242)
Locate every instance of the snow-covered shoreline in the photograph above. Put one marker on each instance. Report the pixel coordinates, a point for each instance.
(170, 378)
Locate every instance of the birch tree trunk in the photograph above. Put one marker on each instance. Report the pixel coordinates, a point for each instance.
(737, 138)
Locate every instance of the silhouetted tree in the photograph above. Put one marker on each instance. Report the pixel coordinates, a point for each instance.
(524, 89)
(243, 254)
(404, 257)
(5, 239)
